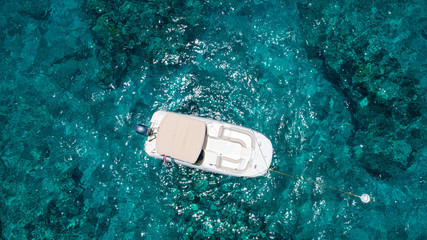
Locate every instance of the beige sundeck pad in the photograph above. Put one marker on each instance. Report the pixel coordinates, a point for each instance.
(180, 137)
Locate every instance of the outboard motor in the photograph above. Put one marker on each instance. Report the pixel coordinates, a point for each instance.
(142, 129)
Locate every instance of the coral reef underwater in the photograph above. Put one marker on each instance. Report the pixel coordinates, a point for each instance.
(338, 86)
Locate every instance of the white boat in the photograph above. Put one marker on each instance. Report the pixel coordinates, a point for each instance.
(207, 144)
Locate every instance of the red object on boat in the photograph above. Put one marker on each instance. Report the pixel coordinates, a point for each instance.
(164, 160)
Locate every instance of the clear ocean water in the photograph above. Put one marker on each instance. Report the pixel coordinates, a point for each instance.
(338, 86)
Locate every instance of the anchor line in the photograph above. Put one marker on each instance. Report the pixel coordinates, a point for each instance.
(320, 184)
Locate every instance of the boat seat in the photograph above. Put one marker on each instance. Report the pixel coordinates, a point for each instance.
(245, 138)
(223, 147)
(228, 148)
(226, 155)
(224, 163)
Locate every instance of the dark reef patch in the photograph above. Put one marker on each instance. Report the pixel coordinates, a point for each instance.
(360, 60)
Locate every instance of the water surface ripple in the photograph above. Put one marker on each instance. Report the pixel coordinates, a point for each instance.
(338, 87)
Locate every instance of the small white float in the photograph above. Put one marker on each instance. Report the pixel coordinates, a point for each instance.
(207, 144)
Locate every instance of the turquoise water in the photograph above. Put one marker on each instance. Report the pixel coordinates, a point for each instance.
(338, 86)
